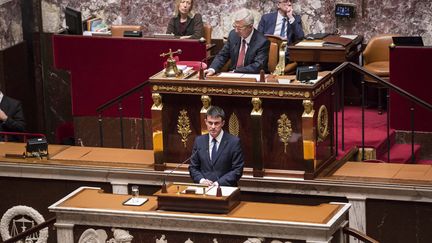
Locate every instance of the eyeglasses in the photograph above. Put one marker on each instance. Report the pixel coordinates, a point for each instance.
(285, 3)
(240, 27)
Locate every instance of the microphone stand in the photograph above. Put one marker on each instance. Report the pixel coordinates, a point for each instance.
(164, 186)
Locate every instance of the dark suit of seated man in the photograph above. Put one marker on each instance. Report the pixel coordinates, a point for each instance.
(11, 116)
(246, 47)
(218, 158)
(283, 23)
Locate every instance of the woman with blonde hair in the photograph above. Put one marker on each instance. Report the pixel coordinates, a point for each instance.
(185, 23)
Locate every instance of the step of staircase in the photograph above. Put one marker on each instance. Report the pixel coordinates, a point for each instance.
(401, 153)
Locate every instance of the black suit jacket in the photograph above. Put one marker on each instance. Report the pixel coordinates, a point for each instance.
(194, 27)
(256, 56)
(226, 168)
(13, 109)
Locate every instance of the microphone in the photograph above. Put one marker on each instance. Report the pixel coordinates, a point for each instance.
(201, 71)
(164, 187)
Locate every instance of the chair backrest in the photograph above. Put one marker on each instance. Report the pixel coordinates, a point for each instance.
(118, 30)
(275, 42)
(207, 33)
(378, 49)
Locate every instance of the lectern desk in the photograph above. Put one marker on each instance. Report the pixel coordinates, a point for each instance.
(202, 200)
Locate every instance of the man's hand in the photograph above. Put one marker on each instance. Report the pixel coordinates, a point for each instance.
(290, 13)
(206, 182)
(209, 72)
(3, 116)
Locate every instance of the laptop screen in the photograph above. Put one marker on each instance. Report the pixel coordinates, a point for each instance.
(408, 41)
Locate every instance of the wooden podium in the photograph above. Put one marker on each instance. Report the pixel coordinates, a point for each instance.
(176, 199)
(285, 127)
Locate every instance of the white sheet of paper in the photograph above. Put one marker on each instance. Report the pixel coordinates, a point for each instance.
(352, 37)
(230, 75)
(226, 190)
(310, 43)
(284, 81)
(135, 201)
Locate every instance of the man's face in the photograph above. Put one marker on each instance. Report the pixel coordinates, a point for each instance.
(285, 6)
(214, 125)
(242, 29)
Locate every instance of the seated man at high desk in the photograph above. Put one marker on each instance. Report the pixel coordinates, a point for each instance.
(246, 47)
(218, 157)
(11, 116)
(283, 23)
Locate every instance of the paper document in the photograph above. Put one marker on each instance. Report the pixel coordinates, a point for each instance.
(285, 80)
(226, 190)
(310, 43)
(352, 37)
(230, 75)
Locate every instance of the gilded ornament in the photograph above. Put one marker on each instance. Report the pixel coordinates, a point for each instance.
(206, 102)
(204, 90)
(323, 123)
(157, 101)
(233, 125)
(284, 130)
(183, 126)
(306, 94)
(308, 108)
(180, 89)
(230, 91)
(155, 87)
(255, 92)
(256, 106)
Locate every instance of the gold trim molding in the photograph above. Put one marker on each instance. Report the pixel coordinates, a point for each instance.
(231, 91)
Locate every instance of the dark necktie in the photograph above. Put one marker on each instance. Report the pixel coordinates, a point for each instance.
(242, 54)
(214, 149)
(283, 30)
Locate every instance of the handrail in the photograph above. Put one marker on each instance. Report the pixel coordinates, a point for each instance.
(398, 90)
(32, 230)
(108, 104)
(359, 235)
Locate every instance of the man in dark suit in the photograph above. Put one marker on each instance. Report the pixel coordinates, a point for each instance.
(282, 23)
(11, 115)
(218, 157)
(246, 47)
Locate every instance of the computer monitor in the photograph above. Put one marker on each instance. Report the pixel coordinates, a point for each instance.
(74, 23)
(408, 40)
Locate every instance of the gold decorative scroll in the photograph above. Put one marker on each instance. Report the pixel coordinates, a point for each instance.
(233, 125)
(323, 123)
(183, 126)
(157, 102)
(206, 102)
(284, 130)
(256, 106)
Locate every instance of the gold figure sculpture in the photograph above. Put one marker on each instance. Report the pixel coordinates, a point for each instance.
(256, 106)
(157, 101)
(183, 126)
(308, 108)
(234, 125)
(171, 69)
(323, 123)
(206, 101)
(280, 67)
(284, 130)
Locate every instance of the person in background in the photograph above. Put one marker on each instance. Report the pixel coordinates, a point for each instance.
(246, 47)
(11, 116)
(283, 23)
(185, 22)
(218, 157)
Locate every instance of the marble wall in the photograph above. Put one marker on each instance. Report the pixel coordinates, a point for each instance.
(405, 17)
(11, 31)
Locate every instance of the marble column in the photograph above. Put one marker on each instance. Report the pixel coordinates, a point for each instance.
(64, 232)
(357, 215)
